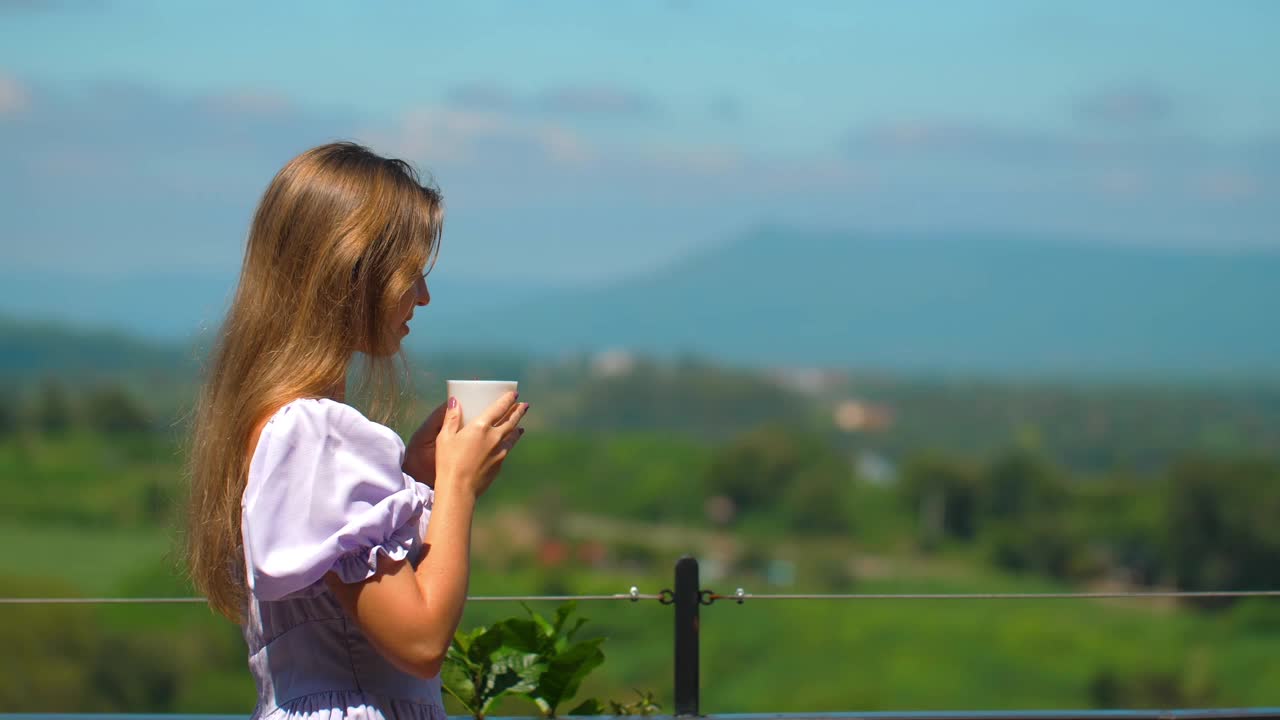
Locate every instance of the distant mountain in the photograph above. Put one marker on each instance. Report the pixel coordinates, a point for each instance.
(186, 306)
(918, 303)
(38, 348)
(955, 304)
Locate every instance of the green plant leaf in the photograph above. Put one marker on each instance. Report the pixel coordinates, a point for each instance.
(457, 656)
(644, 704)
(563, 612)
(576, 627)
(516, 672)
(547, 630)
(590, 706)
(463, 639)
(566, 671)
(522, 656)
(457, 681)
(523, 635)
(484, 644)
(510, 671)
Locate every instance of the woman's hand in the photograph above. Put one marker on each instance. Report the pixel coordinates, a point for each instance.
(420, 452)
(471, 455)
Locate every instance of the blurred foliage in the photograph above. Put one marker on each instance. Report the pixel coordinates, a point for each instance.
(51, 412)
(1221, 530)
(632, 462)
(946, 494)
(1150, 688)
(8, 414)
(689, 397)
(65, 658)
(112, 410)
(775, 472)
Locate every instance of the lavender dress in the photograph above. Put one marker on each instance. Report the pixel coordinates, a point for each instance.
(325, 492)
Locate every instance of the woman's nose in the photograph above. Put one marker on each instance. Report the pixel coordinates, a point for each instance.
(424, 295)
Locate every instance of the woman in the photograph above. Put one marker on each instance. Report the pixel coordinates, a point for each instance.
(308, 521)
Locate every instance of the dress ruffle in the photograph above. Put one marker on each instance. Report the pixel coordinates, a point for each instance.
(362, 564)
(353, 706)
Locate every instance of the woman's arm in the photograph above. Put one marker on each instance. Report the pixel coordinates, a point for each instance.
(410, 615)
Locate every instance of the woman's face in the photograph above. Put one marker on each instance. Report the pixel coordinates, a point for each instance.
(416, 296)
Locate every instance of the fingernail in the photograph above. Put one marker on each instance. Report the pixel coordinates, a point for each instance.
(517, 396)
(521, 431)
(453, 403)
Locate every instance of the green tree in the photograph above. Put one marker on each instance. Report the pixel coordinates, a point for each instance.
(1021, 482)
(1043, 545)
(1220, 528)
(690, 397)
(945, 494)
(111, 409)
(1025, 516)
(52, 411)
(1122, 516)
(8, 416)
(776, 469)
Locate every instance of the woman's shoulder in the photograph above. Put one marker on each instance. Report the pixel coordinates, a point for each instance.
(317, 442)
(326, 491)
(326, 418)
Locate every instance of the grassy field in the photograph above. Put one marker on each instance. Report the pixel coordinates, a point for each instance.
(763, 655)
(89, 561)
(900, 655)
(87, 516)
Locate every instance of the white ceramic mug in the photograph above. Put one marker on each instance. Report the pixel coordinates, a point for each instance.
(475, 396)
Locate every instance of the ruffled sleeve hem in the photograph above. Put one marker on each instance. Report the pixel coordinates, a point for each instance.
(362, 564)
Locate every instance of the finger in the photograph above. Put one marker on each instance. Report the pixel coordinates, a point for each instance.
(435, 420)
(506, 416)
(452, 416)
(513, 419)
(497, 410)
(510, 439)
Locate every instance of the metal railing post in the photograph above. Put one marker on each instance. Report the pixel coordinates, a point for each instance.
(687, 599)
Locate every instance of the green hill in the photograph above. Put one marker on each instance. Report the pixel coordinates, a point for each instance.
(48, 348)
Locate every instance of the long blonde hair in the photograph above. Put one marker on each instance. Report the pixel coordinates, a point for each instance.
(339, 237)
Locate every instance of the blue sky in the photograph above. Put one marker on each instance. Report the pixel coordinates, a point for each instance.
(582, 141)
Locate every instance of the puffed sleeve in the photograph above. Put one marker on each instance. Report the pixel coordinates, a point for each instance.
(326, 492)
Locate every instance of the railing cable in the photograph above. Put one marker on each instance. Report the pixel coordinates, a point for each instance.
(634, 595)
(740, 596)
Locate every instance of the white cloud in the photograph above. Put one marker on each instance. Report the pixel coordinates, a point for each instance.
(482, 96)
(250, 102)
(565, 199)
(453, 137)
(596, 99)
